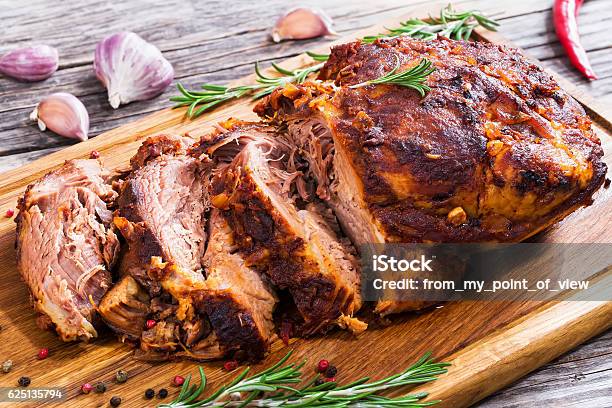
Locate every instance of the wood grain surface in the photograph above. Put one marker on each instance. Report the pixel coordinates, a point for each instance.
(219, 49)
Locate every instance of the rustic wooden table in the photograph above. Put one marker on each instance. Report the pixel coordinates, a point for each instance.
(217, 41)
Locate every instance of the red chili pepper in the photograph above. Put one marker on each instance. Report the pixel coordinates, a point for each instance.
(564, 16)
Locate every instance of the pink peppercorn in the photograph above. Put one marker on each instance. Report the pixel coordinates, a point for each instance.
(230, 365)
(150, 324)
(86, 388)
(178, 380)
(322, 366)
(43, 353)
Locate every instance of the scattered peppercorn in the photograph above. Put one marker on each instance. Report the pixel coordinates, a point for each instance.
(330, 379)
(115, 401)
(9, 213)
(318, 381)
(331, 371)
(7, 365)
(149, 324)
(149, 393)
(100, 387)
(163, 393)
(86, 388)
(230, 365)
(178, 380)
(94, 154)
(24, 381)
(121, 376)
(43, 353)
(322, 366)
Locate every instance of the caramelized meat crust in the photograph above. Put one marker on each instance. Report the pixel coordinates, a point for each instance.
(496, 151)
(239, 304)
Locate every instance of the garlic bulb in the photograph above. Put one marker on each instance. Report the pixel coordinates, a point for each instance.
(30, 64)
(131, 68)
(64, 114)
(302, 23)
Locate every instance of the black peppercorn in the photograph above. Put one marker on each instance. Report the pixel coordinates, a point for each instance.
(163, 393)
(318, 381)
(149, 393)
(115, 401)
(331, 371)
(100, 387)
(24, 381)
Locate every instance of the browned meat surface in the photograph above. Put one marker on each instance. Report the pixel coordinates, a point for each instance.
(293, 247)
(238, 303)
(495, 152)
(161, 215)
(66, 246)
(125, 307)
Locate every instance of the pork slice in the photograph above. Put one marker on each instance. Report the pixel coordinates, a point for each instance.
(162, 216)
(239, 304)
(125, 307)
(294, 248)
(161, 213)
(66, 246)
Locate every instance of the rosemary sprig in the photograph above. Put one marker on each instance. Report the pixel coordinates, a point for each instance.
(452, 24)
(273, 388)
(213, 95)
(412, 78)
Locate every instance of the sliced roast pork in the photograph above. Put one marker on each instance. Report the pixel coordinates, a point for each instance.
(294, 248)
(206, 304)
(239, 304)
(66, 246)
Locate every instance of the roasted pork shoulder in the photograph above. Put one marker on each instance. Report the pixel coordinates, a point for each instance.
(495, 152)
(66, 246)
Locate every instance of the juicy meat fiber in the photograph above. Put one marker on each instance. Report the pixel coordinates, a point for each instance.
(66, 246)
(294, 248)
(495, 152)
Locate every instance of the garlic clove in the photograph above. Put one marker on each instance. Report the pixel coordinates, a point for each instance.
(30, 64)
(63, 114)
(131, 69)
(302, 23)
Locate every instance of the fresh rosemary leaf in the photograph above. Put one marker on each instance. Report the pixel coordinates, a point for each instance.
(317, 57)
(413, 78)
(270, 388)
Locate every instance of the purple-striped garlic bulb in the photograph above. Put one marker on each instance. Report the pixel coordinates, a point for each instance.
(131, 69)
(30, 64)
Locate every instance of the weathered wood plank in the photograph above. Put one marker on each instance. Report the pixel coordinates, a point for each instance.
(578, 379)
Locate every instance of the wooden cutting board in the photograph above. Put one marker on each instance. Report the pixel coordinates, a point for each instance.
(490, 344)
